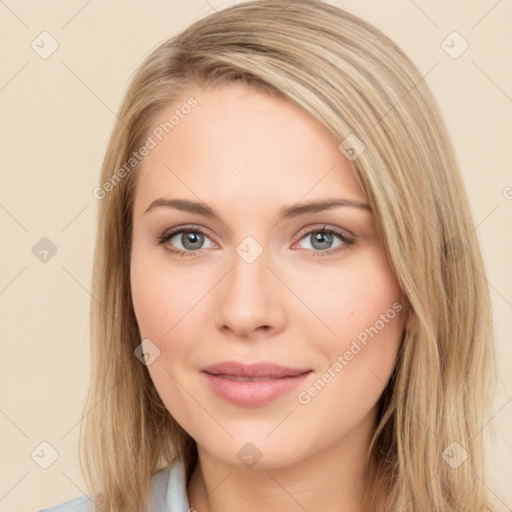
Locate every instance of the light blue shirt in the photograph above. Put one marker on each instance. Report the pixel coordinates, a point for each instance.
(168, 494)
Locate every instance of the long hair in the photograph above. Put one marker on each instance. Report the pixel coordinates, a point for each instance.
(376, 105)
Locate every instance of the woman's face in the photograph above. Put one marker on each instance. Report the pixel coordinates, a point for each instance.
(252, 286)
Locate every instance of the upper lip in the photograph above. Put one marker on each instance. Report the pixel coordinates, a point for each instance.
(262, 369)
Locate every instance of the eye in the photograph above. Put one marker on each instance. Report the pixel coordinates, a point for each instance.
(191, 239)
(321, 240)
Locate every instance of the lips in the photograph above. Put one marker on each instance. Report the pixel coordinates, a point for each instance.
(254, 371)
(253, 385)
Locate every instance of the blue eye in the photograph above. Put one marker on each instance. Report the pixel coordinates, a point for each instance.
(324, 236)
(192, 240)
(190, 237)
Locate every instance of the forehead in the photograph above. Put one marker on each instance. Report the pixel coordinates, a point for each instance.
(241, 145)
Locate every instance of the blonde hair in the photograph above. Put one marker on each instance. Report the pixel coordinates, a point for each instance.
(357, 83)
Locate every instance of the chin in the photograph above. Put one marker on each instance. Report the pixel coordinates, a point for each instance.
(255, 454)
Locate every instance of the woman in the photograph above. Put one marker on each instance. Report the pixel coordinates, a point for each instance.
(287, 309)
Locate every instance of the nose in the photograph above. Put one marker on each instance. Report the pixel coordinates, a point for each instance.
(249, 301)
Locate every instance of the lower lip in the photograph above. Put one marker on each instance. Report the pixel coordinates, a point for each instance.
(250, 393)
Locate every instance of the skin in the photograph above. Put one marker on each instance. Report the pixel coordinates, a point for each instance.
(247, 154)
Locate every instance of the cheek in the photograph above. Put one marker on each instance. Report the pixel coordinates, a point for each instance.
(161, 294)
(363, 308)
(354, 297)
(376, 331)
(165, 300)
(161, 301)
(150, 304)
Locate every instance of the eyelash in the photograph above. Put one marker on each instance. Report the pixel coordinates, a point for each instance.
(167, 235)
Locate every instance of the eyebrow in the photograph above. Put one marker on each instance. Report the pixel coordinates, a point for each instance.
(285, 212)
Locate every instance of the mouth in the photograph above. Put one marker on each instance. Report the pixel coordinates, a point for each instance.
(251, 379)
(253, 385)
(263, 370)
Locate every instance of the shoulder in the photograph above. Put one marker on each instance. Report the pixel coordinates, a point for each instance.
(168, 491)
(80, 504)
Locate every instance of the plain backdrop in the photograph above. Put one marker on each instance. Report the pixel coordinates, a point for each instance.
(56, 116)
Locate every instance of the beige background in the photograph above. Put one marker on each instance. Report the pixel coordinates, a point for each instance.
(57, 114)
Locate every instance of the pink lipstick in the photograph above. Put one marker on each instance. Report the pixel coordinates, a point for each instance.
(253, 385)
